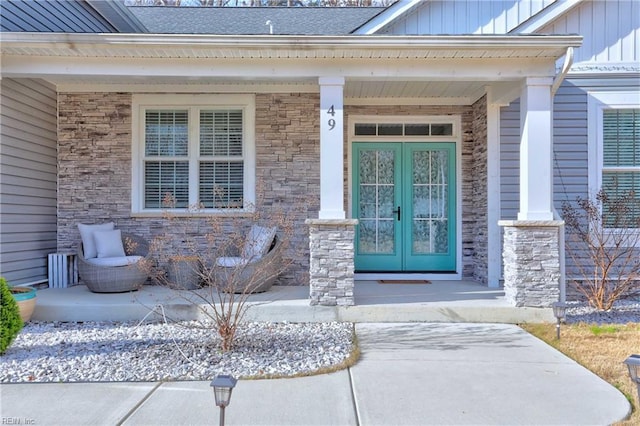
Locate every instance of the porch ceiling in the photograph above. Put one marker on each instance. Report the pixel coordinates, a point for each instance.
(375, 67)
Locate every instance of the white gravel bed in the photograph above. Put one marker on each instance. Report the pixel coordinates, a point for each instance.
(106, 351)
(623, 312)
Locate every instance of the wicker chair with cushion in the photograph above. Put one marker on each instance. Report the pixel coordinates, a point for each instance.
(114, 266)
(256, 268)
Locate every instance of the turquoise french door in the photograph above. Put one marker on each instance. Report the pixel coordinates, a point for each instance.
(404, 198)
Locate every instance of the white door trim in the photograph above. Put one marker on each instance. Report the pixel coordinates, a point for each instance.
(456, 121)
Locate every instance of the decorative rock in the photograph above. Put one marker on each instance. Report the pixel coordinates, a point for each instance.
(71, 352)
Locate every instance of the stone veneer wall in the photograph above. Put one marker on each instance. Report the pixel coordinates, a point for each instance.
(94, 163)
(531, 259)
(467, 174)
(480, 253)
(288, 166)
(332, 256)
(94, 160)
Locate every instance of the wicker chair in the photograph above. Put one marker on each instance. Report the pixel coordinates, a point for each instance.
(115, 279)
(252, 275)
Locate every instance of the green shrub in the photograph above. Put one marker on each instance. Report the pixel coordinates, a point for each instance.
(10, 321)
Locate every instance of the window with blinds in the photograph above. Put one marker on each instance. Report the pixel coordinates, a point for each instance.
(621, 167)
(166, 168)
(193, 156)
(221, 168)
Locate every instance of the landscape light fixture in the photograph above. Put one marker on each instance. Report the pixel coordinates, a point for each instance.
(559, 309)
(222, 386)
(633, 363)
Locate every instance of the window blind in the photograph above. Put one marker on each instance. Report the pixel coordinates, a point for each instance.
(166, 181)
(621, 167)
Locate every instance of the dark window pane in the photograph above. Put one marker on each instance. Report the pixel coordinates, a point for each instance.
(416, 129)
(441, 129)
(390, 130)
(365, 129)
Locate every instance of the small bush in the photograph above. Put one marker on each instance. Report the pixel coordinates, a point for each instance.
(604, 237)
(223, 299)
(10, 321)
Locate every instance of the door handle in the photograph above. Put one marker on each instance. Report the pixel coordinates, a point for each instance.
(397, 212)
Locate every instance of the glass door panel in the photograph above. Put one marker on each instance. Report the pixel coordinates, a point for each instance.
(430, 236)
(376, 198)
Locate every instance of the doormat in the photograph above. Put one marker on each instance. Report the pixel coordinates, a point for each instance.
(404, 282)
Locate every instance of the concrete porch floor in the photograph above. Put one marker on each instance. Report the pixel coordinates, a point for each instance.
(439, 301)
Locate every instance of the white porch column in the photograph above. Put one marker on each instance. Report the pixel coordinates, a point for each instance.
(331, 148)
(536, 166)
(494, 236)
(531, 245)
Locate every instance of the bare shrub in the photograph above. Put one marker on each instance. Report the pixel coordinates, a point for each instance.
(198, 240)
(603, 232)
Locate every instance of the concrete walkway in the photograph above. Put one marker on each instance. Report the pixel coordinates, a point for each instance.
(408, 374)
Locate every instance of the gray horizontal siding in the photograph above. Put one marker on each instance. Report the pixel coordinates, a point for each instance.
(52, 16)
(509, 160)
(570, 141)
(28, 217)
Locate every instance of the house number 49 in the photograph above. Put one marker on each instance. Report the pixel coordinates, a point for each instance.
(332, 121)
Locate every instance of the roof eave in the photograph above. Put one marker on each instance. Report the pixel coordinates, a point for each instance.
(118, 15)
(123, 45)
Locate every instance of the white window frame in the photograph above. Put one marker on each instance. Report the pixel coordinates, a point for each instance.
(192, 103)
(596, 104)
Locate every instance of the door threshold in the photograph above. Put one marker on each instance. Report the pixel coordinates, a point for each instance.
(374, 276)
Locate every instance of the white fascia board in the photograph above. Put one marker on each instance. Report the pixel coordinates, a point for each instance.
(545, 16)
(182, 46)
(393, 12)
(50, 68)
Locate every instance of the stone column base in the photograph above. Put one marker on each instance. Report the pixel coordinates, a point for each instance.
(531, 256)
(331, 244)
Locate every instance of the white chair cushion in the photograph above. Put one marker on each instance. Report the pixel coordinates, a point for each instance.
(114, 261)
(109, 243)
(86, 233)
(230, 262)
(258, 242)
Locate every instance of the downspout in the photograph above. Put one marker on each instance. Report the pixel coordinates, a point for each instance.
(568, 62)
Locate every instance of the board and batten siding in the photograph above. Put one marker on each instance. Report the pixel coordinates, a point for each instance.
(610, 31)
(466, 17)
(570, 140)
(28, 179)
